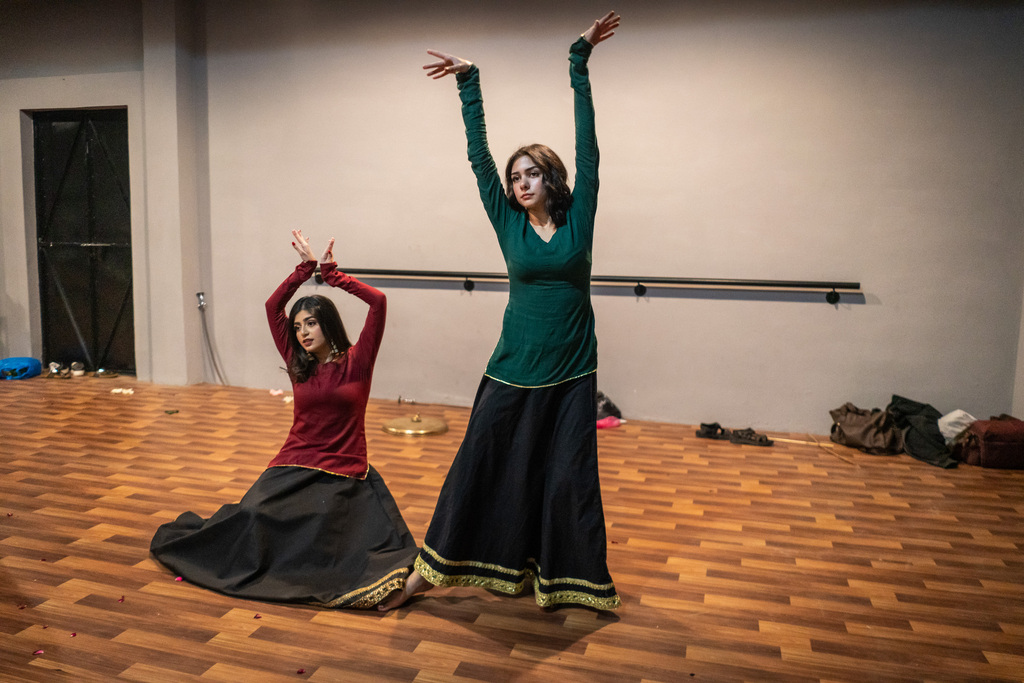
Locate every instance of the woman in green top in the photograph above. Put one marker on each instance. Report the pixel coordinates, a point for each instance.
(521, 504)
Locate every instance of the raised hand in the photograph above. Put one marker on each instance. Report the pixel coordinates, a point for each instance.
(448, 64)
(328, 256)
(301, 245)
(603, 28)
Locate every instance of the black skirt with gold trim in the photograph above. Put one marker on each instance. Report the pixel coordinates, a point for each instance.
(521, 505)
(298, 535)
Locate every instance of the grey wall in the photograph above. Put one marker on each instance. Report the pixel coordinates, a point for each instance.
(879, 143)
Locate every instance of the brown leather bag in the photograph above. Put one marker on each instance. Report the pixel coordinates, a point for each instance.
(872, 431)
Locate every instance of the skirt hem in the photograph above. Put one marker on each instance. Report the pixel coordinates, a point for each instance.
(363, 598)
(544, 597)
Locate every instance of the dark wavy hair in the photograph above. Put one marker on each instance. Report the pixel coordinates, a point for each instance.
(303, 364)
(556, 181)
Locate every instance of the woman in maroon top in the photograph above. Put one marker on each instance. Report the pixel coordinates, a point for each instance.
(319, 525)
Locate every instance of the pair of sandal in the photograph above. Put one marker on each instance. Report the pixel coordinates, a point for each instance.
(713, 430)
(59, 371)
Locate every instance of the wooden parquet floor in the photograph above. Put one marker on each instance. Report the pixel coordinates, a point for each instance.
(791, 563)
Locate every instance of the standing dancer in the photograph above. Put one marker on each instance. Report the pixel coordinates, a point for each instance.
(319, 525)
(522, 501)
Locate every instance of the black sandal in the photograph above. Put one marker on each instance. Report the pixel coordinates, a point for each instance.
(750, 437)
(712, 430)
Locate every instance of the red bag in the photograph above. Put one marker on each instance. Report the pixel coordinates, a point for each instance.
(998, 443)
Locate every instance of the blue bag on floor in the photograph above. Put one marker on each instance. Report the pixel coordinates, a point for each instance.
(20, 368)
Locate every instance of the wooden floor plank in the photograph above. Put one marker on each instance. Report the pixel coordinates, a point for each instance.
(799, 562)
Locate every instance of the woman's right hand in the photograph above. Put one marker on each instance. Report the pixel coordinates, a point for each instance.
(448, 64)
(301, 245)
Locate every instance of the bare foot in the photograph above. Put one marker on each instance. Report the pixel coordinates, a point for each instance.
(413, 585)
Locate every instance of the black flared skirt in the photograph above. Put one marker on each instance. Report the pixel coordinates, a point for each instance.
(298, 535)
(521, 504)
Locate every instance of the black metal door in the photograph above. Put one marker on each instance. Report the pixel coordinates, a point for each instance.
(83, 225)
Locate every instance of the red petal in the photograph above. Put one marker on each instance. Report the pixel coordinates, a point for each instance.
(300, 671)
(121, 599)
(10, 514)
(45, 626)
(258, 616)
(38, 652)
(73, 635)
(22, 606)
(178, 578)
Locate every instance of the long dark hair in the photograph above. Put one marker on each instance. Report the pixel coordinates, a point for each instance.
(303, 364)
(556, 181)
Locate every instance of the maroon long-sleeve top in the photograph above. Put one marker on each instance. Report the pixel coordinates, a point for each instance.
(327, 431)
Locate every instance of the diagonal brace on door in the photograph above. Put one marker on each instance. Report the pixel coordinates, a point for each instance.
(67, 307)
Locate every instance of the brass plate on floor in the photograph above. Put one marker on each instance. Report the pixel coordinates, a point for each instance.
(415, 425)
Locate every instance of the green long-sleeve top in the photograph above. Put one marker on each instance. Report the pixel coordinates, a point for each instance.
(547, 334)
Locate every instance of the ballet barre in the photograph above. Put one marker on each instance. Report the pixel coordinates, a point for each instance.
(640, 285)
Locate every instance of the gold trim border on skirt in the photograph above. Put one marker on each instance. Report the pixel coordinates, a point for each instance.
(511, 587)
(368, 596)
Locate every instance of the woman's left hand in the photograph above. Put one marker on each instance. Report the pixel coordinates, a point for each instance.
(603, 28)
(328, 256)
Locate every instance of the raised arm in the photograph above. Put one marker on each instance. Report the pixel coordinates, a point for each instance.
(372, 334)
(488, 179)
(276, 315)
(586, 183)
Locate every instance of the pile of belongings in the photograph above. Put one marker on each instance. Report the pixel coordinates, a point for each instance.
(921, 431)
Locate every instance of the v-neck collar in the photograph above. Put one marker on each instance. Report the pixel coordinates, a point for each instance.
(529, 226)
